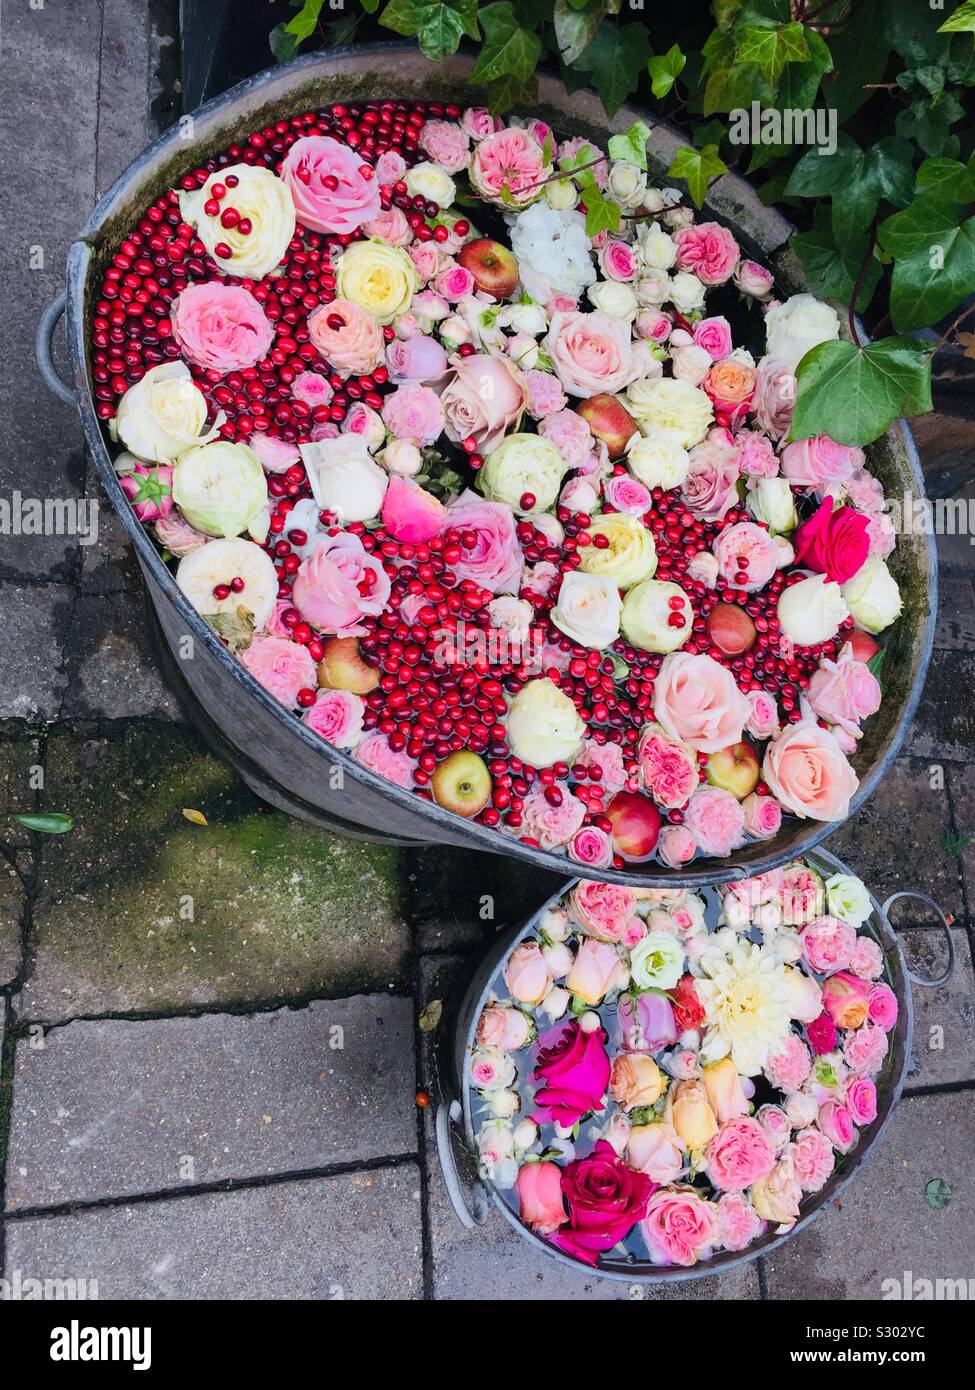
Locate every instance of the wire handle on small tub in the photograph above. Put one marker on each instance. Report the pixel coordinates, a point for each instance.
(470, 1214)
(42, 349)
(946, 928)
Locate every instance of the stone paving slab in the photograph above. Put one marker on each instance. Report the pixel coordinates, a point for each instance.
(883, 1225)
(945, 723)
(32, 678)
(115, 1108)
(356, 1236)
(944, 1018)
(961, 782)
(897, 839)
(112, 669)
(12, 903)
(140, 910)
(956, 615)
(459, 898)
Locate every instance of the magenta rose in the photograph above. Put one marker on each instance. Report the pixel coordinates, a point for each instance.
(337, 716)
(490, 552)
(605, 1198)
(349, 338)
(819, 462)
(483, 399)
(419, 358)
(861, 1099)
(375, 754)
(833, 542)
(282, 667)
(668, 769)
(591, 353)
(709, 250)
(882, 1007)
(330, 191)
(822, 1034)
(812, 1159)
(836, 1123)
(739, 1154)
(220, 327)
(710, 488)
(827, 945)
(339, 584)
(454, 282)
(574, 1070)
(679, 1227)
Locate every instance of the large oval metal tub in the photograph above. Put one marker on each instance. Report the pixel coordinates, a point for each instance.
(282, 760)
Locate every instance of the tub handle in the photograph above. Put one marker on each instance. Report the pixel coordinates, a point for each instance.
(42, 349)
(470, 1214)
(946, 928)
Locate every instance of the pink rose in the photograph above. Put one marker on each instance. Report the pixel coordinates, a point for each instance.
(509, 159)
(340, 583)
(490, 552)
(349, 338)
(864, 1049)
(809, 773)
(762, 815)
(552, 825)
(570, 434)
(375, 754)
(881, 535)
(484, 398)
(545, 394)
(819, 462)
(591, 353)
(426, 258)
(478, 123)
(591, 848)
(697, 702)
(867, 959)
(413, 412)
(668, 770)
(763, 720)
(312, 388)
(329, 191)
(788, 1066)
(679, 1227)
(737, 1223)
(836, 1123)
(220, 327)
(676, 846)
(844, 692)
(812, 1158)
(715, 819)
(604, 763)
(753, 279)
(653, 324)
(527, 974)
(447, 144)
(827, 945)
(574, 1070)
(822, 1034)
(709, 250)
(882, 1007)
(577, 145)
(756, 456)
(710, 489)
(775, 396)
(594, 971)
(746, 549)
(618, 261)
(419, 358)
(502, 1026)
(281, 666)
(714, 336)
(657, 1151)
(411, 514)
(540, 1204)
(731, 386)
(865, 491)
(776, 1124)
(390, 166)
(149, 488)
(627, 494)
(337, 716)
(276, 455)
(454, 282)
(389, 225)
(603, 910)
(178, 536)
(605, 1199)
(861, 1099)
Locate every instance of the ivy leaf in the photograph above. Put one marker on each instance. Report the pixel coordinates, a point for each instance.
(631, 146)
(934, 261)
(601, 214)
(697, 168)
(615, 59)
(832, 266)
(49, 823)
(509, 90)
(772, 48)
(947, 178)
(800, 82)
(286, 39)
(509, 50)
(962, 21)
(406, 16)
(576, 26)
(440, 33)
(859, 54)
(235, 628)
(853, 394)
(929, 123)
(856, 180)
(665, 69)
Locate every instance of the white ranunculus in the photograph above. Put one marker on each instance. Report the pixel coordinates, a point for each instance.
(431, 182)
(771, 502)
(686, 292)
(658, 459)
(164, 414)
(220, 488)
(345, 478)
(848, 899)
(667, 404)
(794, 328)
(523, 463)
(588, 610)
(873, 596)
(627, 184)
(263, 201)
(655, 247)
(561, 195)
(811, 611)
(614, 298)
(543, 725)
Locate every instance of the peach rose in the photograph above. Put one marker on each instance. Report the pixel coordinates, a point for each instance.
(349, 338)
(483, 399)
(540, 1204)
(656, 1150)
(591, 353)
(698, 702)
(807, 770)
(731, 385)
(527, 974)
(635, 1080)
(596, 970)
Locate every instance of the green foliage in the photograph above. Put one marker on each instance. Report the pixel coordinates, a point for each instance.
(861, 390)
(697, 168)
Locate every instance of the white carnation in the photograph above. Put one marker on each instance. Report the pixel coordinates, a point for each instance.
(553, 252)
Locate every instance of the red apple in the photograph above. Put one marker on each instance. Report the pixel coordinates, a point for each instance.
(609, 421)
(735, 769)
(731, 629)
(492, 265)
(862, 645)
(636, 824)
(342, 667)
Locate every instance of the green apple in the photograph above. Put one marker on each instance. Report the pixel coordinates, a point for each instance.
(462, 783)
(735, 769)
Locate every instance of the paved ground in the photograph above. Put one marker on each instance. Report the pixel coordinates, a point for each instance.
(211, 1051)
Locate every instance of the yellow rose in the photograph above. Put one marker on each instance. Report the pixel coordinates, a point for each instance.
(381, 278)
(691, 1114)
(266, 212)
(630, 556)
(724, 1090)
(666, 403)
(635, 1080)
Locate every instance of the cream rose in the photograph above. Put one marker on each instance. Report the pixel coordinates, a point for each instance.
(220, 488)
(772, 503)
(266, 223)
(381, 278)
(523, 466)
(653, 619)
(164, 414)
(345, 478)
(630, 556)
(811, 611)
(588, 610)
(687, 292)
(658, 459)
(872, 595)
(663, 403)
(655, 247)
(544, 725)
(614, 298)
(794, 328)
(429, 181)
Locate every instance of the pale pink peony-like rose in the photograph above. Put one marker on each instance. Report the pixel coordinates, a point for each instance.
(812, 1158)
(627, 494)
(737, 1223)
(502, 1026)
(715, 819)
(220, 327)
(339, 584)
(552, 825)
(709, 250)
(827, 945)
(844, 692)
(819, 462)
(668, 770)
(679, 1227)
(789, 1065)
(347, 336)
(860, 1096)
(809, 773)
(676, 846)
(603, 910)
(509, 159)
(337, 716)
(867, 959)
(447, 144)
(746, 548)
(710, 489)
(864, 1049)
(604, 763)
(478, 122)
(763, 721)
(837, 1125)
(311, 167)
(312, 388)
(763, 816)
(545, 394)
(591, 847)
(483, 399)
(698, 702)
(375, 754)
(282, 667)
(413, 412)
(570, 434)
(390, 166)
(756, 456)
(591, 353)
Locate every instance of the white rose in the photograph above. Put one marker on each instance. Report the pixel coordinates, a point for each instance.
(873, 596)
(658, 459)
(691, 363)
(627, 184)
(511, 616)
(794, 328)
(544, 725)
(561, 195)
(525, 1135)
(455, 331)
(804, 997)
(524, 318)
(220, 488)
(668, 404)
(811, 611)
(523, 351)
(403, 457)
(588, 610)
(494, 1064)
(503, 1104)
(848, 899)
(686, 292)
(344, 477)
(262, 200)
(652, 288)
(655, 247)
(164, 414)
(772, 503)
(614, 298)
(429, 181)
(495, 1142)
(556, 1002)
